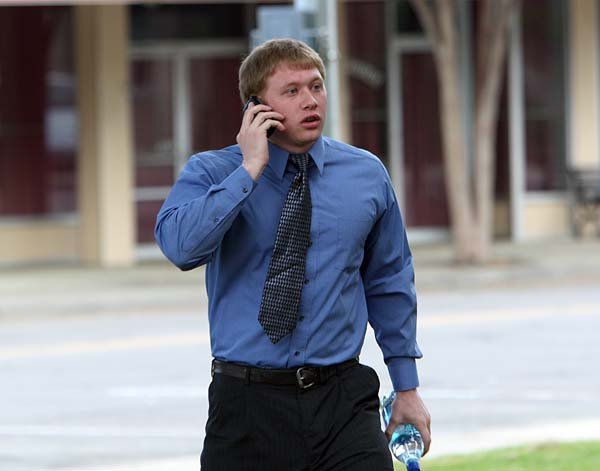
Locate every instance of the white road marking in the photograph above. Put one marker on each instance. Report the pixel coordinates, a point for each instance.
(105, 345)
(202, 338)
(182, 463)
(17, 430)
(199, 391)
(520, 395)
(480, 316)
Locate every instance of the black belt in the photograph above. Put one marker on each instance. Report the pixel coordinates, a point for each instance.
(303, 377)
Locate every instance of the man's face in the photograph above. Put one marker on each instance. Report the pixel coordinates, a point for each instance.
(300, 96)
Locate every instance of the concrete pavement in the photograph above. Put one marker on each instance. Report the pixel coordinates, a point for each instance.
(29, 294)
(42, 292)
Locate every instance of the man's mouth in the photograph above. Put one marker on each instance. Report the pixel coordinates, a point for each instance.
(312, 118)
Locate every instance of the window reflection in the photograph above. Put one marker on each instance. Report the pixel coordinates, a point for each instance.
(38, 118)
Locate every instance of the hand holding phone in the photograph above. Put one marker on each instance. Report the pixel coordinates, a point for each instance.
(255, 124)
(254, 99)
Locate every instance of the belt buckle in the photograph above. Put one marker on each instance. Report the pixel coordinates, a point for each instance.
(301, 378)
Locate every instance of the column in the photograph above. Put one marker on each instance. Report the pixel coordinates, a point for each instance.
(106, 182)
(584, 149)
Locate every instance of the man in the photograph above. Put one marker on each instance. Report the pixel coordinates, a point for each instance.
(304, 243)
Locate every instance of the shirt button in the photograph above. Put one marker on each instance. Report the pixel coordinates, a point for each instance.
(216, 219)
(245, 190)
(297, 353)
(301, 318)
(306, 281)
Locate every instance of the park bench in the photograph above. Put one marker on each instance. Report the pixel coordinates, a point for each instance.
(584, 194)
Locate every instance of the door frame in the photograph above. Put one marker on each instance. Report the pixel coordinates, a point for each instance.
(397, 46)
(181, 53)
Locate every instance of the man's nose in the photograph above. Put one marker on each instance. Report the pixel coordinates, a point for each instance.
(309, 101)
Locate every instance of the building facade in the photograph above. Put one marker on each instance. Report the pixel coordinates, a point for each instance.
(101, 105)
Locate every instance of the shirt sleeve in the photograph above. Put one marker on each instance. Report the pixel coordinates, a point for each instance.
(388, 278)
(199, 211)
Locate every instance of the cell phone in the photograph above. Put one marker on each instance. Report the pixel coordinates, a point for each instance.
(254, 99)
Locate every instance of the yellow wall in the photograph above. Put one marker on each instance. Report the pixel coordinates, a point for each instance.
(545, 216)
(38, 241)
(501, 219)
(583, 84)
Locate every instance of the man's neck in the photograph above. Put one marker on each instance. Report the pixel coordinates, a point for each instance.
(292, 149)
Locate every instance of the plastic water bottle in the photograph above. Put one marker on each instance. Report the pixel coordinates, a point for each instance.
(406, 443)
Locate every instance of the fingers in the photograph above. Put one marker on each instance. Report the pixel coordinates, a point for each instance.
(267, 119)
(258, 115)
(426, 436)
(390, 430)
(425, 432)
(269, 123)
(423, 425)
(252, 111)
(262, 124)
(408, 408)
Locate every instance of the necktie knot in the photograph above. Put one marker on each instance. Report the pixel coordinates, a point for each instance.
(300, 161)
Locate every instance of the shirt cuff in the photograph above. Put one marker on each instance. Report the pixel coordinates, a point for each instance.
(403, 372)
(240, 184)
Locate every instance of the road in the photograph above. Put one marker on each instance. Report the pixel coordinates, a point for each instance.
(121, 392)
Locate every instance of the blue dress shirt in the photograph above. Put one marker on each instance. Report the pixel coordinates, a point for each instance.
(359, 267)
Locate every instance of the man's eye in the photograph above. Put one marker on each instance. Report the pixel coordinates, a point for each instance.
(291, 91)
(317, 86)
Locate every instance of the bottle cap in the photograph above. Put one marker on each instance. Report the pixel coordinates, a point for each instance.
(413, 465)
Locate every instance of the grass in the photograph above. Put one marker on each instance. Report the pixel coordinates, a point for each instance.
(580, 456)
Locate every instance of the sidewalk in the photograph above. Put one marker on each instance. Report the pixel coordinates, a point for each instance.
(513, 265)
(561, 432)
(51, 292)
(44, 292)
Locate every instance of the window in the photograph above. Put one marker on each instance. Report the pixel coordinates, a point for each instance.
(38, 119)
(544, 61)
(187, 22)
(366, 68)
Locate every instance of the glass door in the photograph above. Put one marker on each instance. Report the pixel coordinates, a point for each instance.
(185, 100)
(216, 108)
(152, 96)
(423, 161)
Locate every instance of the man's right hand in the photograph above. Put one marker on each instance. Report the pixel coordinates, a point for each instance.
(252, 137)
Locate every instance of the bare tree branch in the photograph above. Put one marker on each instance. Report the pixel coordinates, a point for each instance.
(492, 43)
(449, 30)
(484, 28)
(429, 20)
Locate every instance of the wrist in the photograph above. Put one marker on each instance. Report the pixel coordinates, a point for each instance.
(406, 392)
(254, 170)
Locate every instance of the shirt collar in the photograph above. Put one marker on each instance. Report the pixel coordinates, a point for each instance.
(278, 157)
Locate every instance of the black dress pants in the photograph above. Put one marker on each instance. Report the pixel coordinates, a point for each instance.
(333, 426)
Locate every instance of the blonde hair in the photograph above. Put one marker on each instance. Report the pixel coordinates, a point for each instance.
(258, 66)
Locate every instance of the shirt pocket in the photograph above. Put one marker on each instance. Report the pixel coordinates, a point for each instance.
(351, 236)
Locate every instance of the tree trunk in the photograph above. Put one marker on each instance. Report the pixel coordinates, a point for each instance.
(495, 15)
(470, 200)
(457, 184)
